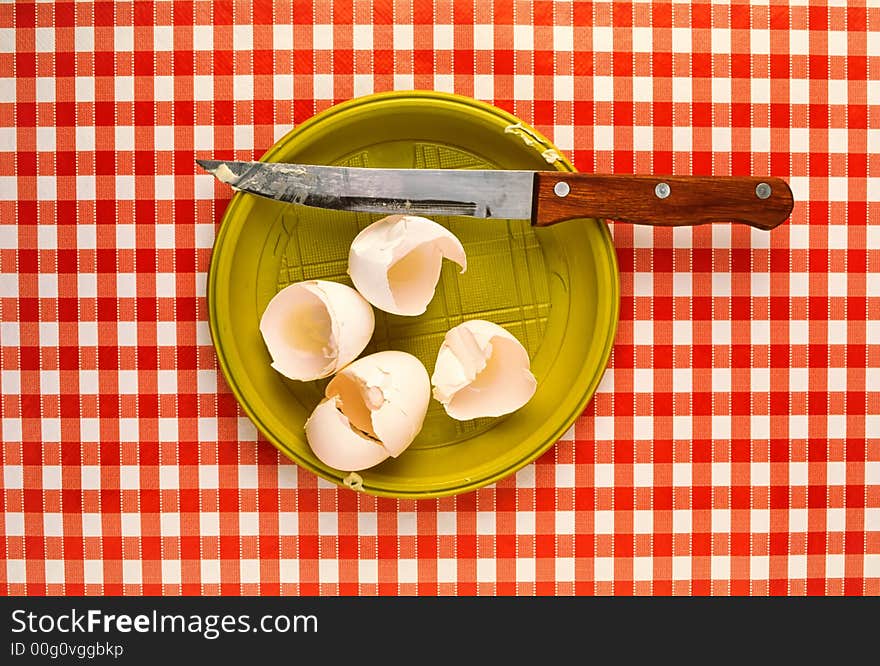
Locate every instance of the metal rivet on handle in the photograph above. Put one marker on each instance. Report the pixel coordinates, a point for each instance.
(561, 189)
(763, 190)
(662, 190)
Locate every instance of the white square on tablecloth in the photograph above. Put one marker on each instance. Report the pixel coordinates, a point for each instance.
(322, 37)
(484, 86)
(563, 38)
(328, 571)
(128, 382)
(447, 570)
(485, 522)
(169, 477)
(681, 567)
(7, 40)
(642, 39)
(14, 524)
(11, 429)
(443, 37)
(169, 524)
(368, 572)
(45, 187)
(484, 37)
(603, 39)
(603, 522)
(209, 524)
(565, 569)
(681, 474)
(565, 477)
(44, 40)
(282, 86)
(288, 571)
(525, 522)
(603, 427)
(16, 571)
(759, 519)
(643, 91)
(643, 521)
(799, 42)
(603, 569)
(11, 381)
(523, 37)
(525, 570)
(203, 37)
(564, 522)
(835, 520)
(367, 524)
(90, 477)
(408, 570)
(759, 474)
(603, 475)
(89, 430)
(603, 91)
(682, 91)
(721, 426)
(248, 523)
(720, 40)
(171, 572)
(210, 571)
(130, 524)
(163, 38)
(407, 524)
(203, 88)
(681, 521)
(402, 37)
(720, 567)
(243, 37)
(328, 523)
(288, 523)
(91, 524)
(643, 568)
(129, 476)
(54, 572)
(13, 477)
(797, 567)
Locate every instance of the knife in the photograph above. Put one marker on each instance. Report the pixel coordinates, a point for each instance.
(543, 197)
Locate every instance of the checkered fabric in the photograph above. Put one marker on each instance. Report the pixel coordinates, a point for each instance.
(733, 447)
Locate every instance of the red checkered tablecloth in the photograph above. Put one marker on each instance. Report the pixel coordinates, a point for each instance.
(733, 446)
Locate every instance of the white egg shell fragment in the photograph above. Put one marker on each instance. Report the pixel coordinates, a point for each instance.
(373, 409)
(395, 262)
(482, 370)
(314, 328)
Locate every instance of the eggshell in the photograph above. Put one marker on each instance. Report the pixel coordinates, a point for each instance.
(337, 444)
(373, 409)
(314, 328)
(482, 370)
(395, 262)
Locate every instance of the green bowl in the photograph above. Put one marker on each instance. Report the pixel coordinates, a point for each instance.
(555, 289)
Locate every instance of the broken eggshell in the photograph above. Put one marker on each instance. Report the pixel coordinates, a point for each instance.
(395, 262)
(373, 409)
(314, 328)
(482, 370)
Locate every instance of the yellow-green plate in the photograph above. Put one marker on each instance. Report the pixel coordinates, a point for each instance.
(555, 289)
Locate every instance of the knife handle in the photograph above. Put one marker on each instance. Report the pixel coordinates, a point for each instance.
(667, 201)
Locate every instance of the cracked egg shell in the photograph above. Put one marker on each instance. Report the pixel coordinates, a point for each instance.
(482, 370)
(373, 409)
(314, 328)
(395, 262)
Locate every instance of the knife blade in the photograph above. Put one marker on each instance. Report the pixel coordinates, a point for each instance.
(543, 197)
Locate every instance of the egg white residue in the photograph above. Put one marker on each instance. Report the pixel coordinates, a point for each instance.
(373, 409)
(314, 328)
(395, 262)
(482, 370)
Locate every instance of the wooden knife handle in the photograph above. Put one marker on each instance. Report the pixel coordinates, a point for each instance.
(668, 201)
